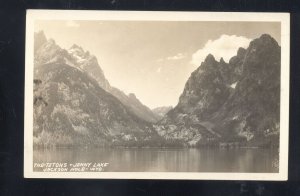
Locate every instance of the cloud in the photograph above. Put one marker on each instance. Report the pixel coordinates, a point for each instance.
(72, 23)
(176, 57)
(226, 46)
(172, 58)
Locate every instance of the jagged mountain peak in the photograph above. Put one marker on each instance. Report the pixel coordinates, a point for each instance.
(78, 51)
(46, 50)
(222, 61)
(76, 46)
(209, 63)
(39, 39)
(264, 41)
(209, 58)
(267, 37)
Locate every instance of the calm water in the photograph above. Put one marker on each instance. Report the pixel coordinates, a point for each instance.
(167, 160)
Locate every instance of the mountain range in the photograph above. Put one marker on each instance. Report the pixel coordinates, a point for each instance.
(222, 104)
(230, 103)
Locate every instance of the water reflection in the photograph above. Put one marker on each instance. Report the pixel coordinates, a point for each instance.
(167, 160)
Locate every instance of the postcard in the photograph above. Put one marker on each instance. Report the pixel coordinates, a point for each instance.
(156, 95)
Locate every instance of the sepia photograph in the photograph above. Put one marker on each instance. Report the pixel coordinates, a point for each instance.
(156, 95)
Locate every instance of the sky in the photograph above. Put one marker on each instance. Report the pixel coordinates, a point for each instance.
(154, 60)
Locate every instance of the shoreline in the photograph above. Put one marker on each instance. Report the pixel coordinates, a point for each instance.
(134, 147)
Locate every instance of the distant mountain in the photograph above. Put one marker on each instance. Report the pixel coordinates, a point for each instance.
(48, 51)
(71, 108)
(235, 102)
(162, 111)
(135, 105)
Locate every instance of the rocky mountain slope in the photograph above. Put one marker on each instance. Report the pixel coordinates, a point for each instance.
(72, 108)
(48, 51)
(230, 103)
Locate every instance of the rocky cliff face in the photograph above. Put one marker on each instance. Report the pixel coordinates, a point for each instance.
(230, 102)
(47, 51)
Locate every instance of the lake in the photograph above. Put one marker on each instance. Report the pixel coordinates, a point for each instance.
(166, 160)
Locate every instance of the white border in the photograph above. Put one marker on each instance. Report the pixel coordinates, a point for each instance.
(284, 18)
